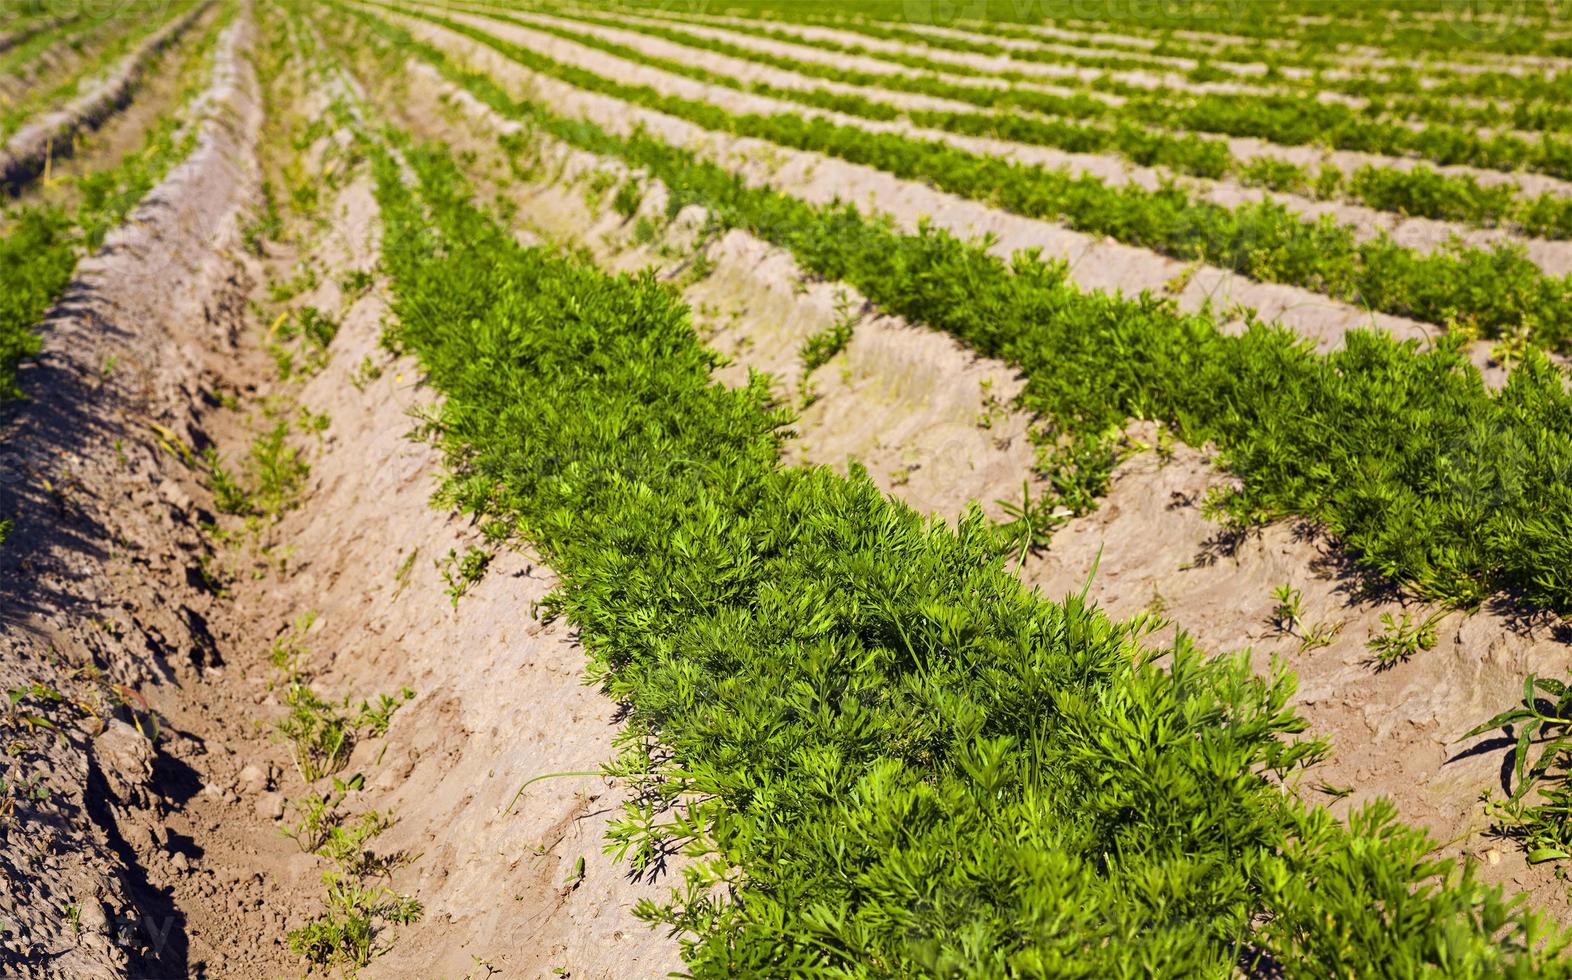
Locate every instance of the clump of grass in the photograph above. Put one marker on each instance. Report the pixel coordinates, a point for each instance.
(229, 496)
(275, 474)
(1288, 618)
(627, 199)
(1400, 639)
(320, 738)
(299, 339)
(820, 348)
(1542, 722)
(268, 225)
(344, 935)
(356, 282)
(463, 572)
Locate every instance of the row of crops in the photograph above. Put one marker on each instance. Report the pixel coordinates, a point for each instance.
(1494, 292)
(1305, 430)
(51, 219)
(1419, 34)
(885, 756)
(1135, 128)
(877, 750)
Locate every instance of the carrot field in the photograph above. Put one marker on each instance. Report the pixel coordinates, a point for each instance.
(786, 488)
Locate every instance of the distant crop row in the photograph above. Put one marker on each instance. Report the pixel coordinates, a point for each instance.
(1283, 62)
(888, 756)
(30, 46)
(41, 242)
(1535, 101)
(1232, 33)
(1498, 292)
(1290, 117)
(107, 43)
(1421, 191)
(1431, 479)
(1428, 31)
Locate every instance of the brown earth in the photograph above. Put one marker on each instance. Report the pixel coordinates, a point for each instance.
(1242, 147)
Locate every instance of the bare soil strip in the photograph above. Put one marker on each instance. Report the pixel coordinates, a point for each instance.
(1245, 148)
(146, 838)
(1356, 65)
(499, 697)
(28, 151)
(927, 417)
(1373, 58)
(1243, 85)
(805, 51)
(101, 576)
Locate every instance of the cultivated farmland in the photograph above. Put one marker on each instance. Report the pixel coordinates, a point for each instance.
(785, 488)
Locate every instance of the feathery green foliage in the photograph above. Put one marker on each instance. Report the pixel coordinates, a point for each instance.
(1432, 480)
(897, 760)
(1496, 291)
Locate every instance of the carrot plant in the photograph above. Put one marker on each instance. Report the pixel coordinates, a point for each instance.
(1095, 125)
(115, 38)
(1288, 114)
(885, 755)
(1431, 479)
(1491, 291)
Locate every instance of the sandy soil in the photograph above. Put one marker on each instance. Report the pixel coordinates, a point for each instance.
(805, 51)
(1166, 71)
(922, 412)
(147, 840)
(100, 577)
(1242, 147)
(177, 864)
(1357, 64)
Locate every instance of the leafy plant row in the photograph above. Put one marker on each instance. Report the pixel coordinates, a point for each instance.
(51, 32)
(1434, 30)
(112, 41)
(40, 242)
(1290, 119)
(1187, 154)
(886, 757)
(1494, 292)
(1338, 41)
(1536, 102)
(1432, 480)
(1422, 191)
